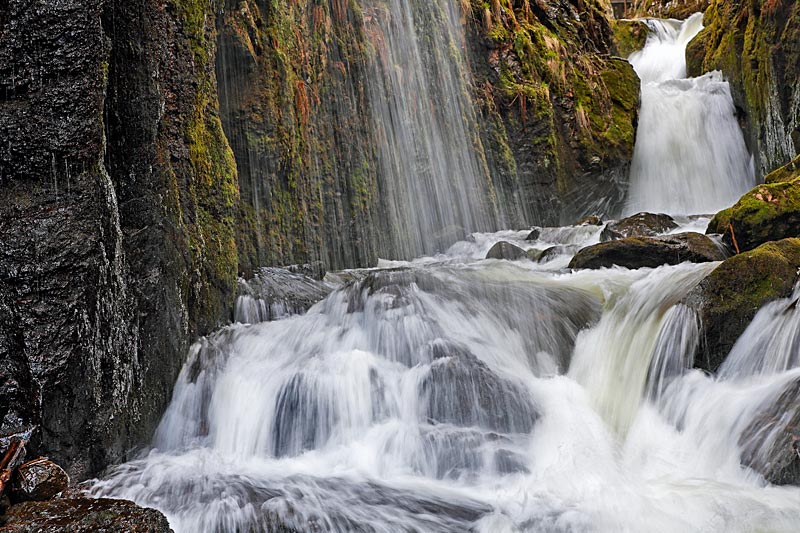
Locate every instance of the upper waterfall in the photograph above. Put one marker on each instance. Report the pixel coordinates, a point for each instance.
(690, 155)
(435, 183)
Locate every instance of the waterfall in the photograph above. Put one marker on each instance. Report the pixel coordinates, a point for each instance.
(475, 396)
(690, 156)
(433, 177)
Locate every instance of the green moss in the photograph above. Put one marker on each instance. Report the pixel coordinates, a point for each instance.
(767, 213)
(786, 173)
(629, 36)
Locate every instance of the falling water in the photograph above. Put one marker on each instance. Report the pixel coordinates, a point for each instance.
(452, 393)
(434, 179)
(690, 156)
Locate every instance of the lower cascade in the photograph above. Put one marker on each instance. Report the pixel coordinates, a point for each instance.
(455, 393)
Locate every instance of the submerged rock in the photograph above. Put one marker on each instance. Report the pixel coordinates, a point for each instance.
(511, 252)
(275, 293)
(38, 480)
(771, 443)
(638, 252)
(555, 251)
(83, 515)
(769, 212)
(638, 225)
(505, 250)
(728, 299)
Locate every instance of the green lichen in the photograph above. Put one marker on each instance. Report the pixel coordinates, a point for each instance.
(629, 36)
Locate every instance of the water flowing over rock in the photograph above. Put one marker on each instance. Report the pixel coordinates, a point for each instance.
(638, 252)
(638, 225)
(690, 155)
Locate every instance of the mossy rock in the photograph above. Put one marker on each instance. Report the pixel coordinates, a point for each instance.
(769, 212)
(638, 252)
(629, 36)
(786, 173)
(728, 299)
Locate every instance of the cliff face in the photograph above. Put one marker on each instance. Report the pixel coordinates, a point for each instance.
(756, 45)
(154, 150)
(559, 110)
(116, 231)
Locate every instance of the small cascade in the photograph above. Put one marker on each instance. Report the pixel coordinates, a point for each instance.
(434, 178)
(690, 156)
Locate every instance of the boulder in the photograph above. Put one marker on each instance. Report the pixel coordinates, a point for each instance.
(769, 212)
(638, 252)
(506, 250)
(728, 298)
(554, 251)
(83, 515)
(38, 480)
(534, 234)
(638, 225)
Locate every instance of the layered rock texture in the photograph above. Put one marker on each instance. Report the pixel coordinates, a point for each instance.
(154, 151)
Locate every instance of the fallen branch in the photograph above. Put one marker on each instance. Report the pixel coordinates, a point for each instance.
(8, 464)
(733, 238)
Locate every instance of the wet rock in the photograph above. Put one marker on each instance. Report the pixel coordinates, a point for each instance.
(506, 250)
(771, 443)
(591, 220)
(555, 251)
(534, 234)
(38, 480)
(83, 515)
(638, 252)
(728, 298)
(769, 212)
(275, 293)
(638, 225)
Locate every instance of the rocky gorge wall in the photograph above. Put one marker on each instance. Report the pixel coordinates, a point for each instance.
(153, 151)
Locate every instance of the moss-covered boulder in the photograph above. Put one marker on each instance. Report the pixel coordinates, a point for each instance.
(728, 299)
(788, 172)
(638, 252)
(756, 45)
(769, 212)
(629, 36)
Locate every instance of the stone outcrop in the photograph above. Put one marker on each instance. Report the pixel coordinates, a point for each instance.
(756, 45)
(728, 299)
(38, 480)
(638, 252)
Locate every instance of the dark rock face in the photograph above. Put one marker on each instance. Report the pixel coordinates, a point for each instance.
(38, 480)
(638, 225)
(638, 252)
(756, 45)
(83, 515)
(506, 250)
(728, 299)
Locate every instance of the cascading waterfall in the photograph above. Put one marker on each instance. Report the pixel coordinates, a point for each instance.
(434, 179)
(452, 393)
(690, 156)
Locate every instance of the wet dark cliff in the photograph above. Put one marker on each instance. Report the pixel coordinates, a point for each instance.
(150, 152)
